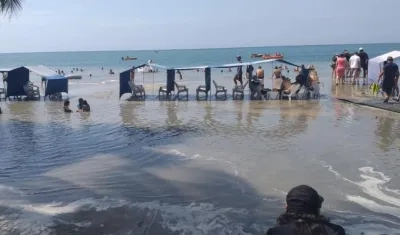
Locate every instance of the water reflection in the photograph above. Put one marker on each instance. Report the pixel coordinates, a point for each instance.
(129, 112)
(387, 131)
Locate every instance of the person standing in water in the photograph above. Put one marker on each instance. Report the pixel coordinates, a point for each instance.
(390, 73)
(341, 65)
(260, 75)
(364, 61)
(302, 215)
(239, 72)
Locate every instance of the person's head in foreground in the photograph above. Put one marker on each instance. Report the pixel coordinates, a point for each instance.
(302, 215)
(66, 103)
(361, 49)
(239, 58)
(389, 59)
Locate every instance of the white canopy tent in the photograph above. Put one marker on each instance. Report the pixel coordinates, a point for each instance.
(374, 64)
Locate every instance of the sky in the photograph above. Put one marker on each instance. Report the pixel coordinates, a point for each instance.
(91, 25)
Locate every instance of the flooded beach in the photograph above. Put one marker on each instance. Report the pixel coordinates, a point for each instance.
(209, 167)
(193, 167)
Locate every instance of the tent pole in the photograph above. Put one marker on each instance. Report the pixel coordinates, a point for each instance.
(153, 87)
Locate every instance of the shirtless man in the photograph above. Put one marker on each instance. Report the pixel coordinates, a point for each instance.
(277, 73)
(260, 75)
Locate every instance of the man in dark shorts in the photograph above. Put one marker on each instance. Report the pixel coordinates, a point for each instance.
(390, 73)
(239, 72)
(347, 55)
(363, 61)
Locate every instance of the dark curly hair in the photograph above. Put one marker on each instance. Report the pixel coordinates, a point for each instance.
(305, 223)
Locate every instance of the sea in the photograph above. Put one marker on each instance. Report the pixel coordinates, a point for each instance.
(192, 167)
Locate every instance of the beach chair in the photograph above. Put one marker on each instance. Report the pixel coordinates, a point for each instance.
(138, 91)
(291, 92)
(220, 90)
(181, 88)
(274, 94)
(32, 91)
(238, 91)
(201, 89)
(163, 93)
(314, 92)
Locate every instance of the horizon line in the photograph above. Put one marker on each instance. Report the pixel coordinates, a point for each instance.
(199, 48)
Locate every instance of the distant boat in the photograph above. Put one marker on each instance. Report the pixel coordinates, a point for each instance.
(156, 51)
(128, 58)
(73, 76)
(267, 56)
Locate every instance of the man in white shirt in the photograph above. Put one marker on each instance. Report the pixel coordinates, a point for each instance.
(355, 67)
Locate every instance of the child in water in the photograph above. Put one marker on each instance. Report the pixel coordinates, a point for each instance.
(80, 105)
(86, 106)
(66, 107)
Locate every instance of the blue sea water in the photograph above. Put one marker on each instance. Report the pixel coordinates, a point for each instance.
(112, 59)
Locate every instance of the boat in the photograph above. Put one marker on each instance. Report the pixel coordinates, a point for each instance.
(128, 58)
(73, 76)
(256, 55)
(270, 57)
(267, 56)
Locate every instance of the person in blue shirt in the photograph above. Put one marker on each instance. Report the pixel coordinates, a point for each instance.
(390, 74)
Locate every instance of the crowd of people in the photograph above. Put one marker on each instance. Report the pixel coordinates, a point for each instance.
(83, 106)
(349, 65)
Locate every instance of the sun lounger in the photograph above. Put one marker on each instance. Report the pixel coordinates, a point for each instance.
(238, 91)
(181, 88)
(201, 89)
(138, 91)
(220, 91)
(32, 91)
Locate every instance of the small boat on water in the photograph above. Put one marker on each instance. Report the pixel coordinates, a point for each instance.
(128, 58)
(73, 76)
(267, 56)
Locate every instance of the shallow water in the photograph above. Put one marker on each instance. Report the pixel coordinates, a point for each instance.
(211, 167)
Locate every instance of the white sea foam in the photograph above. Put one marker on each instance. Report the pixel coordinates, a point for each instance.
(373, 184)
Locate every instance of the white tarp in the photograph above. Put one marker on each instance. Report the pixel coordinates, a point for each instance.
(41, 70)
(375, 64)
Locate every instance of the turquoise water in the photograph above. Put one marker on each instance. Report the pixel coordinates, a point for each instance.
(112, 59)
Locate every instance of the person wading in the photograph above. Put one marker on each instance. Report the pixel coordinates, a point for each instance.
(239, 72)
(364, 61)
(390, 74)
(302, 216)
